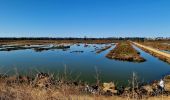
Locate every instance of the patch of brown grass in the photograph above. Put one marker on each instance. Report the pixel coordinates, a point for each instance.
(124, 51)
(160, 45)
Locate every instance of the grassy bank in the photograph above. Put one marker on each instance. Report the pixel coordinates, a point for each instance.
(44, 87)
(161, 55)
(124, 51)
(160, 45)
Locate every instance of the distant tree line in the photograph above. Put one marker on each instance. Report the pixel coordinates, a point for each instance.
(85, 38)
(70, 38)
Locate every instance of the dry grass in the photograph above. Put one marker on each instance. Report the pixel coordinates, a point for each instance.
(124, 51)
(38, 42)
(161, 55)
(15, 88)
(24, 92)
(160, 45)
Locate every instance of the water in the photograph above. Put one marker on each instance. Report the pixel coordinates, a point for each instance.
(82, 64)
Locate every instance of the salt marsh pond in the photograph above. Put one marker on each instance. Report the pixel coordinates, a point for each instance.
(81, 60)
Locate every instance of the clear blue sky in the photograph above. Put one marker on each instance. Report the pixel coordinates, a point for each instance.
(77, 18)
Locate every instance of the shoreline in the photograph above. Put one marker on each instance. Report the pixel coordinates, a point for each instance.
(159, 54)
(103, 49)
(42, 42)
(125, 52)
(45, 83)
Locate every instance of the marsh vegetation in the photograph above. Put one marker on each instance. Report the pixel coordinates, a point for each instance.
(124, 51)
(160, 45)
(114, 81)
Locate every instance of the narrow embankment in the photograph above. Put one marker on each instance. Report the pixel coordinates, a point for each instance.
(161, 55)
(125, 52)
(103, 49)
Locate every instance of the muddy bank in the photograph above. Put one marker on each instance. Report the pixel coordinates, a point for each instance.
(103, 49)
(37, 48)
(125, 52)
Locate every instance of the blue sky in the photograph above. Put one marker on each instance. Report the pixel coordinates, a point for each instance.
(79, 18)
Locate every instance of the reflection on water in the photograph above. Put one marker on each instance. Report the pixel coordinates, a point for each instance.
(37, 48)
(82, 63)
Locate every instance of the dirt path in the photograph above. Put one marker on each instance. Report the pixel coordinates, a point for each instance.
(153, 50)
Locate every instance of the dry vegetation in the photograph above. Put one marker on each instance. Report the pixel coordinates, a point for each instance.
(124, 51)
(45, 87)
(164, 57)
(160, 45)
(43, 42)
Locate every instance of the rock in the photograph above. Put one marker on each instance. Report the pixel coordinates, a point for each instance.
(167, 83)
(92, 89)
(75, 83)
(120, 90)
(95, 87)
(43, 80)
(155, 85)
(109, 87)
(148, 88)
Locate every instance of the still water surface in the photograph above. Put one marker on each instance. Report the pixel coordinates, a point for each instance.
(83, 64)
